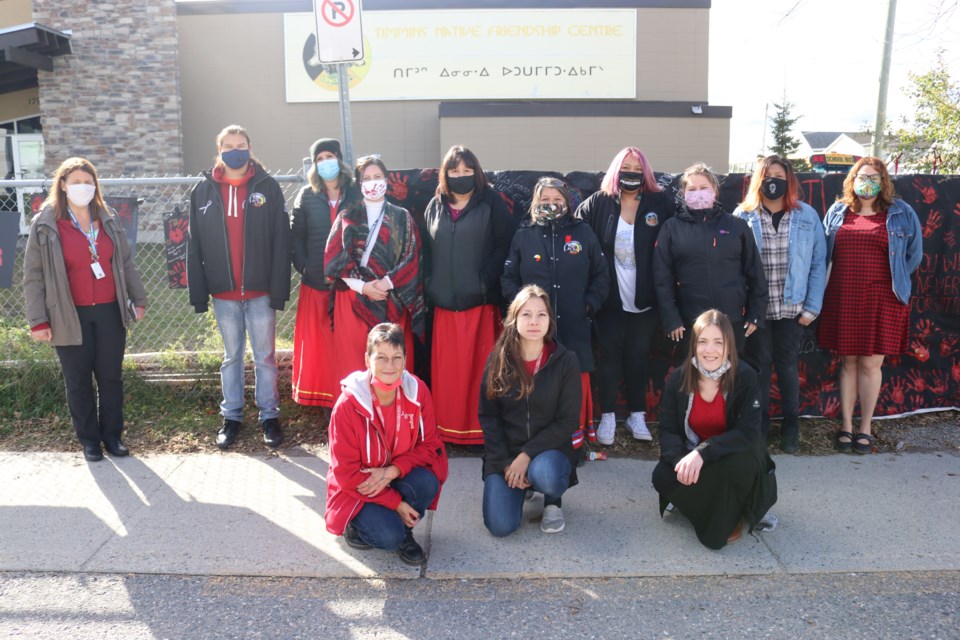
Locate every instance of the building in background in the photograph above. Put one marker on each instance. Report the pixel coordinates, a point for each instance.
(141, 88)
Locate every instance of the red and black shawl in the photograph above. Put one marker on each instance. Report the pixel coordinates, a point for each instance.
(395, 254)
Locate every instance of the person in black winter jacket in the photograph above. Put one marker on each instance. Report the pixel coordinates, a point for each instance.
(707, 259)
(239, 253)
(330, 189)
(467, 233)
(714, 466)
(529, 407)
(560, 253)
(626, 215)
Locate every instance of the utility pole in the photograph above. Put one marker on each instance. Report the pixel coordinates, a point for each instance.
(766, 123)
(877, 147)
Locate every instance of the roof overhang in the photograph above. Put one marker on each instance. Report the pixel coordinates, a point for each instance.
(26, 49)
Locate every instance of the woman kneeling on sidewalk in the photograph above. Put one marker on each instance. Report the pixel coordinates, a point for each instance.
(387, 463)
(529, 409)
(714, 467)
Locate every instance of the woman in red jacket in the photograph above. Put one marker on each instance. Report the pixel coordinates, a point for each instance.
(387, 463)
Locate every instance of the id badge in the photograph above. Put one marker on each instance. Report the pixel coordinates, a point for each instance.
(97, 270)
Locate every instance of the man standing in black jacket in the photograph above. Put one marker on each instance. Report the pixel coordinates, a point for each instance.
(239, 253)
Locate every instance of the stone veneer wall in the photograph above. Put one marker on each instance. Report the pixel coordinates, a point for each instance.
(116, 99)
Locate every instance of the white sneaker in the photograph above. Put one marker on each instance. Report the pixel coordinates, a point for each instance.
(552, 519)
(608, 425)
(638, 427)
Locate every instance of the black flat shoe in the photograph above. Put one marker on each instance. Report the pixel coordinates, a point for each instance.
(862, 443)
(228, 433)
(117, 449)
(352, 537)
(410, 551)
(92, 452)
(789, 439)
(272, 433)
(840, 445)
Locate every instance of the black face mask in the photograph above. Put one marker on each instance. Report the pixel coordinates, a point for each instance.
(630, 181)
(462, 185)
(773, 188)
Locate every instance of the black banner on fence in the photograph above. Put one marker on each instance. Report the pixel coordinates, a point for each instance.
(9, 232)
(926, 377)
(176, 234)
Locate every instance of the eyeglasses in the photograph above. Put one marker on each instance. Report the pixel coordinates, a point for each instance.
(875, 179)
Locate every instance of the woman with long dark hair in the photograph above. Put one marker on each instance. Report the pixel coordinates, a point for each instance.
(529, 409)
(466, 239)
(793, 250)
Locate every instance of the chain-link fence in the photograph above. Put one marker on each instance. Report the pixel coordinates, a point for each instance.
(171, 338)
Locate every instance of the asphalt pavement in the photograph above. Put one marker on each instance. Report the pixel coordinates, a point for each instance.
(229, 514)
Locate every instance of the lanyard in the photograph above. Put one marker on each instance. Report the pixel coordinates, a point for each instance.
(91, 236)
(383, 423)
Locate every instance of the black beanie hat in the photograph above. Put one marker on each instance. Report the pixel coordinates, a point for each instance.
(325, 144)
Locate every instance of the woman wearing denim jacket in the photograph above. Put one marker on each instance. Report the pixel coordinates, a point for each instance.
(874, 243)
(794, 254)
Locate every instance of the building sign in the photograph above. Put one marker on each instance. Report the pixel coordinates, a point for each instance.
(473, 54)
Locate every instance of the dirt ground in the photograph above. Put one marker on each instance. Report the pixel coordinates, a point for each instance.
(927, 432)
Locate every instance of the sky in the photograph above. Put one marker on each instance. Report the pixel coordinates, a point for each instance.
(826, 55)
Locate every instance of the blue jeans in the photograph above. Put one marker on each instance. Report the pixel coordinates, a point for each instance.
(549, 473)
(382, 527)
(237, 319)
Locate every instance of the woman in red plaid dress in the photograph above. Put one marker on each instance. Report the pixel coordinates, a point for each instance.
(874, 242)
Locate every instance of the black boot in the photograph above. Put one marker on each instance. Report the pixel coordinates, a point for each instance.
(789, 436)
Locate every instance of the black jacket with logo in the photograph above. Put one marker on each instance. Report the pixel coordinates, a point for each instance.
(708, 261)
(565, 259)
(463, 260)
(266, 242)
(602, 212)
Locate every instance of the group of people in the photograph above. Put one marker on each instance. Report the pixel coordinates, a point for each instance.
(727, 288)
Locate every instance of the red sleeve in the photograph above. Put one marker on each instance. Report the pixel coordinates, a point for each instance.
(428, 449)
(346, 460)
(41, 326)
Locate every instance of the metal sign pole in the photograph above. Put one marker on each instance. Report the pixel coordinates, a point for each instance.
(346, 125)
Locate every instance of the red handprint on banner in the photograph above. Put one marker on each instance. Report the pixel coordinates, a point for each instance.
(934, 221)
(917, 381)
(950, 239)
(927, 191)
(948, 345)
(920, 351)
(955, 370)
(924, 328)
(398, 185)
(897, 391)
(830, 407)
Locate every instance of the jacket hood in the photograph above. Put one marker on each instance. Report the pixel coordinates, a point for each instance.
(48, 217)
(358, 389)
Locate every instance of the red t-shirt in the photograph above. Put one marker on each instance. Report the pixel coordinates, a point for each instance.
(531, 365)
(233, 193)
(708, 419)
(86, 288)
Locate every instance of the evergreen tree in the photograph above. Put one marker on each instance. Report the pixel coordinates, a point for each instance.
(781, 125)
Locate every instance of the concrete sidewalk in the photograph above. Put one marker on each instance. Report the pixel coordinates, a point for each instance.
(232, 514)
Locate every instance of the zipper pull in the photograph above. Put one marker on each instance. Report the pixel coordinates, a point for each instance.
(714, 241)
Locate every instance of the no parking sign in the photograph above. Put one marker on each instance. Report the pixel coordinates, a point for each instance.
(339, 31)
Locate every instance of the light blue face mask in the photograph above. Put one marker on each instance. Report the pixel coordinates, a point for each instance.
(328, 169)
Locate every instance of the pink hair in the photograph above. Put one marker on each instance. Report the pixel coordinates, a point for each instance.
(611, 180)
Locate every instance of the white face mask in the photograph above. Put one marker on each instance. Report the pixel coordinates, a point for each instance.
(373, 189)
(81, 194)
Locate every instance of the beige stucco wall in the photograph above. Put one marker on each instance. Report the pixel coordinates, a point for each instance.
(20, 104)
(589, 144)
(231, 71)
(14, 12)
